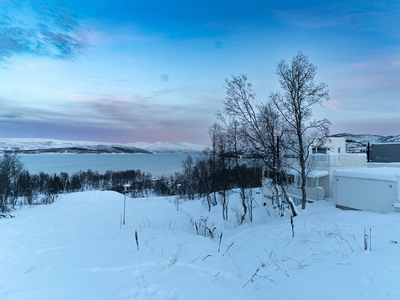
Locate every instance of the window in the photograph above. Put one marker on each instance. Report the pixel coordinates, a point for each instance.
(289, 178)
(319, 150)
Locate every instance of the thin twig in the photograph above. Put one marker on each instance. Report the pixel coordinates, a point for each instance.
(196, 258)
(206, 257)
(284, 272)
(252, 277)
(228, 248)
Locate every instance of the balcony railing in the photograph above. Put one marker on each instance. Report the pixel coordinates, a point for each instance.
(313, 193)
(339, 159)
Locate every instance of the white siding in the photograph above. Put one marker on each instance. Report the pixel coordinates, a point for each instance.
(365, 194)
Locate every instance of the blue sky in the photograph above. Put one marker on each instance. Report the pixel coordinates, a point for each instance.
(127, 71)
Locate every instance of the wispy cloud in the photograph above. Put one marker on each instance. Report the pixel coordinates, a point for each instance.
(8, 116)
(312, 17)
(332, 105)
(108, 118)
(371, 85)
(57, 13)
(52, 30)
(370, 16)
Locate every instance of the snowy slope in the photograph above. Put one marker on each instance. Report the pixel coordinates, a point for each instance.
(75, 249)
(164, 147)
(34, 144)
(361, 138)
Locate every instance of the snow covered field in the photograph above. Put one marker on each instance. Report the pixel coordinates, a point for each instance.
(75, 249)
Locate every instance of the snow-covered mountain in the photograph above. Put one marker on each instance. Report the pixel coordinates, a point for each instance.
(36, 145)
(169, 148)
(358, 142)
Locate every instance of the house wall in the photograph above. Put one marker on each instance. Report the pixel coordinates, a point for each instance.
(335, 159)
(332, 145)
(325, 183)
(365, 194)
(336, 145)
(385, 153)
(333, 162)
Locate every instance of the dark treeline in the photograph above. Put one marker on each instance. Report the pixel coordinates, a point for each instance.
(219, 171)
(209, 176)
(19, 187)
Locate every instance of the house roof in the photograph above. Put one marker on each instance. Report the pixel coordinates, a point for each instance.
(311, 174)
(317, 174)
(384, 173)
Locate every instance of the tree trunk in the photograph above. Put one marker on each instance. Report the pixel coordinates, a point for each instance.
(244, 204)
(291, 203)
(302, 162)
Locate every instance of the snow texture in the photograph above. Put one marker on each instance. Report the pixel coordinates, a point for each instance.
(76, 249)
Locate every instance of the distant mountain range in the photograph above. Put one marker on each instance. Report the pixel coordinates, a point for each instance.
(365, 138)
(356, 143)
(36, 146)
(169, 148)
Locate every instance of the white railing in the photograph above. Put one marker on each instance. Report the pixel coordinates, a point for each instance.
(339, 159)
(313, 193)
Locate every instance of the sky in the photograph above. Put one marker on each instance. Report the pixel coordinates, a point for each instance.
(127, 71)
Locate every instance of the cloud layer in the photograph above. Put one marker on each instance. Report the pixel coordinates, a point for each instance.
(52, 30)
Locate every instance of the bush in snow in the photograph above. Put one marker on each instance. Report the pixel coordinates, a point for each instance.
(203, 229)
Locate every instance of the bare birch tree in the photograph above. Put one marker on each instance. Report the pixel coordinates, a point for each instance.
(299, 94)
(10, 169)
(261, 128)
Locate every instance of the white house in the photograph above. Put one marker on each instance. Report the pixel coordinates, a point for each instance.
(372, 189)
(319, 183)
(331, 145)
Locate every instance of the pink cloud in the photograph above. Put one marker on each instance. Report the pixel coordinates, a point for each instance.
(332, 105)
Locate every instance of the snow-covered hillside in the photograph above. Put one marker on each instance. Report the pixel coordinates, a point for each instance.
(75, 249)
(169, 148)
(358, 142)
(60, 146)
(362, 138)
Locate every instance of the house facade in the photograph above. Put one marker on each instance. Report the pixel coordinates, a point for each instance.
(371, 189)
(319, 185)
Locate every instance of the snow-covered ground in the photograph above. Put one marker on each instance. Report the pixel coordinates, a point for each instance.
(75, 249)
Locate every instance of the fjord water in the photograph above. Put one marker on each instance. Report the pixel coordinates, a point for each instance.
(156, 164)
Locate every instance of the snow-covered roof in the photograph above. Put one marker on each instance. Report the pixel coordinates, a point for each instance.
(385, 173)
(317, 173)
(311, 174)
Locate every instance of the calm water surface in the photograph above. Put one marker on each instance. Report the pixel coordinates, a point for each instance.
(156, 164)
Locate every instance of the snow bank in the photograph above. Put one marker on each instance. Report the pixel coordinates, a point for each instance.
(75, 249)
